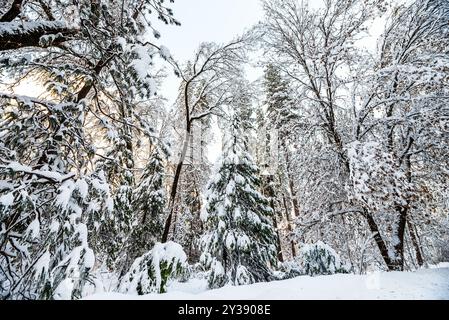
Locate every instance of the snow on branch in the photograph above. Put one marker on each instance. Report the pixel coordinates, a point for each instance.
(16, 35)
(13, 12)
(45, 174)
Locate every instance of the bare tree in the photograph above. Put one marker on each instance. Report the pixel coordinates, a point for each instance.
(351, 108)
(207, 85)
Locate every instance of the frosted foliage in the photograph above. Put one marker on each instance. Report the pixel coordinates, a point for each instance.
(68, 146)
(237, 245)
(375, 179)
(151, 272)
(319, 259)
(336, 161)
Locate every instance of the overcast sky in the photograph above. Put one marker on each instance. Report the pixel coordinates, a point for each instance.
(208, 20)
(205, 21)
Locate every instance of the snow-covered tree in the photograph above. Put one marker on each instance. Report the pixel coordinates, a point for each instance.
(148, 211)
(92, 68)
(347, 97)
(208, 84)
(239, 244)
(151, 272)
(282, 115)
(404, 110)
(319, 259)
(310, 48)
(186, 224)
(97, 173)
(44, 199)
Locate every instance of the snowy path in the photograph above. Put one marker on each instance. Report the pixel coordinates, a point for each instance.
(423, 284)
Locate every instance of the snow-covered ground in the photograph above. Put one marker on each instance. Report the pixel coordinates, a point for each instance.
(430, 283)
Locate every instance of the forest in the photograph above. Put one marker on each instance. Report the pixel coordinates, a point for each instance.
(334, 161)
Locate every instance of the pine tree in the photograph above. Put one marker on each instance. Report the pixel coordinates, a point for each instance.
(148, 211)
(93, 69)
(151, 272)
(44, 198)
(320, 259)
(280, 108)
(117, 167)
(281, 117)
(239, 245)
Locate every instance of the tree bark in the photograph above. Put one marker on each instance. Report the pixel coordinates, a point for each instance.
(400, 232)
(278, 236)
(289, 227)
(174, 188)
(269, 192)
(380, 241)
(414, 238)
(294, 200)
(28, 35)
(13, 12)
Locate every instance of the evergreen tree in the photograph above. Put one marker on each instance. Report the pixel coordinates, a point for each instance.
(44, 198)
(239, 245)
(151, 272)
(93, 70)
(281, 117)
(281, 110)
(320, 259)
(148, 211)
(117, 167)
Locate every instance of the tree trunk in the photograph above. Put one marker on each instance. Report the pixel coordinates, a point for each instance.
(414, 238)
(290, 227)
(270, 193)
(400, 232)
(13, 12)
(294, 200)
(174, 188)
(411, 227)
(380, 242)
(278, 236)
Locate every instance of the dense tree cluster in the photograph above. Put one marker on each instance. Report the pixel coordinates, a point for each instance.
(334, 161)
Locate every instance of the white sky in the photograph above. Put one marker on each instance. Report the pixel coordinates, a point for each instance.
(205, 21)
(217, 21)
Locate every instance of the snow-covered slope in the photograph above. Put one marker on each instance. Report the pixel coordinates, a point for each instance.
(423, 284)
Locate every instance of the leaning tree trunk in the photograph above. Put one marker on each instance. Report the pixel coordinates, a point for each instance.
(379, 240)
(174, 188)
(415, 243)
(396, 262)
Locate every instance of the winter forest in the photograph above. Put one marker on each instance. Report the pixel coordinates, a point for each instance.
(335, 160)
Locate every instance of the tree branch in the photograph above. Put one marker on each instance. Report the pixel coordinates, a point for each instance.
(13, 12)
(28, 34)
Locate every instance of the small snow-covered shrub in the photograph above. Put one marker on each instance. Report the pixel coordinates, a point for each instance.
(288, 270)
(243, 276)
(193, 271)
(216, 275)
(320, 259)
(150, 272)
